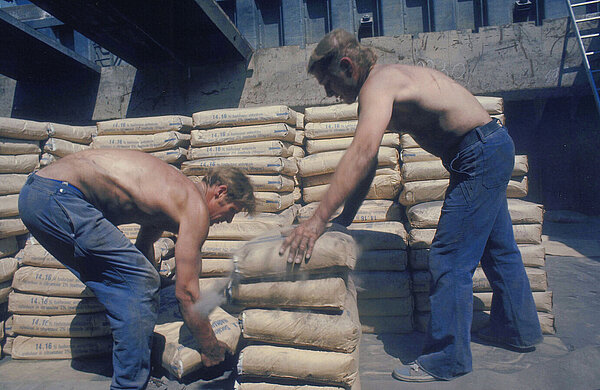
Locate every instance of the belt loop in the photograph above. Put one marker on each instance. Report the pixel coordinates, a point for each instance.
(480, 134)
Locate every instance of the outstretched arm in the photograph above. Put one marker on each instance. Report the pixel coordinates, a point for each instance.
(376, 110)
(193, 230)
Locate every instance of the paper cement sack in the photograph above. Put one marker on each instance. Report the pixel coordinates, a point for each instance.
(35, 348)
(382, 187)
(60, 147)
(22, 163)
(335, 112)
(8, 267)
(386, 307)
(12, 226)
(220, 248)
(326, 162)
(50, 281)
(244, 116)
(329, 144)
(307, 366)
(9, 205)
(68, 325)
(276, 386)
(492, 104)
(251, 165)
(260, 257)
(269, 202)
(243, 134)
(382, 260)
(8, 246)
(543, 301)
(5, 289)
(379, 235)
(171, 156)
(370, 211)
(145, 143)
(216, 267)
(416, 154)
(318, 180)
(330, 130)
(11, 183)
(272, 183)
(23, 129)
(330, 332)
(79, 134)
(320, 294)
(21, 303)
(19, 146)
(260, 148)
(148, 125)
(382, 284)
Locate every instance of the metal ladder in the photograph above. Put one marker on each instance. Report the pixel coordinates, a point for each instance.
(593, 72)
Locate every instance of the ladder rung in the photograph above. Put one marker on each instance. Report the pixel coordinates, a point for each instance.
(585, 3)
(590, 35)
(587, 19)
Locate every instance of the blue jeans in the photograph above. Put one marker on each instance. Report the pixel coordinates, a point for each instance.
(124, 281)
(475, 225)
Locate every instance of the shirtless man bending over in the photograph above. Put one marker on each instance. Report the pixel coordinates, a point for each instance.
(446, 120)
(72, 208)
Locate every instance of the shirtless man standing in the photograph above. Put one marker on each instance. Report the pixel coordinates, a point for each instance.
(446, 120)
(72, 208)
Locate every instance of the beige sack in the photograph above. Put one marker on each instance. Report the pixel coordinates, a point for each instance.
(20, 303)
(317, 180)
(335, 112)
(320, 294)
(220, 248)
(382, 187)
(22, 129)
(300, 137)
(22, 163)
(244, 116)
(493, 105)
(42, 348)
(260, 257)
(260, 148)
(69, 325)
(19, 146)
(416, 154)
(308, 366)
(8, 246)
(47, 159)
(270, 202)
(386, 307)
(243, 134)
(543, 301)
(283, 218)
(276, 386)
(176, 349)
(329, 332)
(369, 211)
(5, 289)
(60, 147)
(326, 162)
(251, 165)
(148, 125)
(272, 183)
(216, 267)
(9, 205)
(243, 230)
(11, 227)
(379, 235)
(79, 134)
(329, 144)
(171, 156)
(330, 130)
(381, 324)
(370, 285)
(50, 281)
(145, 143)
(8, 267)
(382, 260)
(11, 183)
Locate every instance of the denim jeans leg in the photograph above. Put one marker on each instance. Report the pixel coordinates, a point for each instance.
(513, 315)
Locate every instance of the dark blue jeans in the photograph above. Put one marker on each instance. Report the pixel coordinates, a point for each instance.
(475, 226)
(124, 281)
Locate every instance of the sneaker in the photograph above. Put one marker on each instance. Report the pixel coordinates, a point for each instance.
(411, 372)
(490, 337)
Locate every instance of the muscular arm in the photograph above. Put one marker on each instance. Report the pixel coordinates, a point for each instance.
(193, 230)
(356, 198)
(376, 103)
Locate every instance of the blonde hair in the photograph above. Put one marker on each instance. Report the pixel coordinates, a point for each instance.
(336, 45)
(239, 188)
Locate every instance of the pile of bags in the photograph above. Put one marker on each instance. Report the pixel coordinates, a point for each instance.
(64, 140)
(299, 321)
(425, 182)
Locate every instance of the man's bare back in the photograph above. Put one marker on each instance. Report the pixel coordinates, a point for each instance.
(127, 186)
(429, 105)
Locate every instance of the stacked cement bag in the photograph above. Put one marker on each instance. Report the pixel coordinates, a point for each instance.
(165, 137)
(53, 314)
(329, 131)
(300, 321)
(64, 140)
(19, 156)
(262, 141)
(8, 266)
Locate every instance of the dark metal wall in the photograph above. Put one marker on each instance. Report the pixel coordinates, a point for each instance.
(272, 23)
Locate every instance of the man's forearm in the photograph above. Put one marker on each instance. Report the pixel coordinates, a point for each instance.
(357, 197)
(198, 324)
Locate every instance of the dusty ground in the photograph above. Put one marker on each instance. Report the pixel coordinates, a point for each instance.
(568, 360)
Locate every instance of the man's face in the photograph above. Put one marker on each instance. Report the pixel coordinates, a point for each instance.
(221, 209)
(339, 85)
